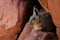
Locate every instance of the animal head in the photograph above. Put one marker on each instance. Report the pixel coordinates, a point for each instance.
(41, 20)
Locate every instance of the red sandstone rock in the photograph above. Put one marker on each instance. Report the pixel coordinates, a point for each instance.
(25, 8)
(9, 26)
(27, 30)
(36, 35)
(13, 15)
(29, 33)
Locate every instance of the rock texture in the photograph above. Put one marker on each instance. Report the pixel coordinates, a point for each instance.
(29, 33)
(27, 30)
(9, 26)
(36, 35)
(13, 16)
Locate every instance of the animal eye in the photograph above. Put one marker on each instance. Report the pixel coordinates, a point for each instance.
(33, 18)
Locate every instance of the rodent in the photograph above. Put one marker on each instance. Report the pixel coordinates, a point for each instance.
(42, 21)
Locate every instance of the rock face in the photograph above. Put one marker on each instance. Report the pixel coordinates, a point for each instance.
(27, 30)
(8, 13)
(13, 16)
(41, 36)
(29, 33)
(9, 26)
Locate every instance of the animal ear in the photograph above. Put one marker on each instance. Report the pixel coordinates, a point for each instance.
(42, 12)
(49, 15)
(35, 10)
